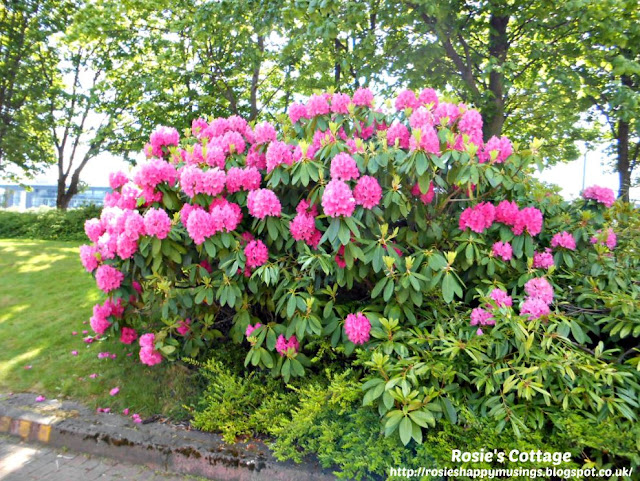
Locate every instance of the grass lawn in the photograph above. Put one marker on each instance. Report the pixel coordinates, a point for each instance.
(46, 295)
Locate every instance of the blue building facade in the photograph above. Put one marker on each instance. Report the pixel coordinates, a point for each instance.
(38, 195)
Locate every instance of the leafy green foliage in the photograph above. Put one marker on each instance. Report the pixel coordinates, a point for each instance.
(48, 224)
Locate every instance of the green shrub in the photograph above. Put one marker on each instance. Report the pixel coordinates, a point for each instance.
(49, 224)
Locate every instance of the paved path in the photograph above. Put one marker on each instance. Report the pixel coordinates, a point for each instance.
(31, 462)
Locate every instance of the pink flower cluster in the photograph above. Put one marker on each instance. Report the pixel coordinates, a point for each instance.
(163, 137)
(367, 192)
(564, 239)
(224, 216)
(108, 278)
(251, 328)
(157, 223)
(503, 250)
(501, 298)
(337, 199)
(184, 326)
(543, 260)
(603, 195)
(609, 238)
(303, 226)
(357, 327)
(343, 167)
(481, 317)
(427, 197)
(100, 320)
(128, 335)
(148, 353)
(257, 254)
(263, 203)
(540, 295)
(287, 347)
(497, 149)
(478, 218)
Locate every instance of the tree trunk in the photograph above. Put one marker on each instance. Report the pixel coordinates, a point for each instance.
(623, 166)
(493, 111)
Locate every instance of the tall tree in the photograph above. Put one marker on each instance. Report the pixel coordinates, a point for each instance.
(610, 70)
(25, 56)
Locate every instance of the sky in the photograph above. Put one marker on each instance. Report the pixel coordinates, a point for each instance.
(568, 176)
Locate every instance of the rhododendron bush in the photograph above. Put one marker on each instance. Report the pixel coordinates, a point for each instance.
(390, 227)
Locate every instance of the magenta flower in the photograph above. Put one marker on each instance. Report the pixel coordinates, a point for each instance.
(357, 326)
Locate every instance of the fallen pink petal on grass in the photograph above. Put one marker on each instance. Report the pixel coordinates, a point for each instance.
(114, 391)
(136, 418)
(74, 333)
(39, 399)
(113, 356)
(93, 376)
(85, 332)
(74, 353)
(28, 366)
(125, 411)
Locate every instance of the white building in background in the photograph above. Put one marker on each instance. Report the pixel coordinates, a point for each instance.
(21, 198)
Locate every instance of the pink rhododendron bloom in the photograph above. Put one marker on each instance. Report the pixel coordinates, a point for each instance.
(603, 195)
(610, 240)
(108, 278)
(114, 391)
(200, 226)
(363, 97)
(153, 172)
(367, 192)
(262, 203)
(427, 197)
(400, 133)
(297, 112)
(88, 257)
(94, 229)
(287, 347)
(539, 288)
(507, 212)
(163, 137)
(428, 97)
(357, 327)
(317, 105)
(278, 153)
(444, 111)
(257, 254)
(501, 146)
(157, 223)
(340, 104)
(128, 335)
(503, 250)
(215, 156)
(421, 118)
(148, 354)
(184, 327)
(470, 122)
(117, 179)
(563, 239)
(501, 298)
(534, 308)
(247, 178)
(343, 167)
(406, 100)
(256, 159)
(543, 260)
(481, 317)
(428, 140)
(198, 126)
(478, 218)
(264, 133)
(251, 328)
(529, 219)
(337, 199)
(302, 227)
(225, 216)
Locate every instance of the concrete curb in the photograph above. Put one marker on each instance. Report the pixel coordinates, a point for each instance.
(65, 424)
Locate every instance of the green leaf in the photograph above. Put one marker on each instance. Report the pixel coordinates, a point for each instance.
(406, 430)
